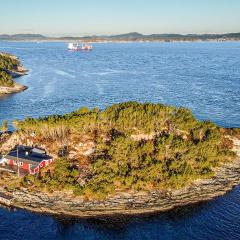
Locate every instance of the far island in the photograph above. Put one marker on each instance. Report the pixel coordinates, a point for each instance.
(127, 37)
(10, 68)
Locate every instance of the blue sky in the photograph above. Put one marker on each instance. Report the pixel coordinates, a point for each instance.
(83, 17)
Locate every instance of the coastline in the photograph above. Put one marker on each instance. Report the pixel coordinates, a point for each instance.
(127, 37)
(130, 203)
(122, 41)
(15, 89)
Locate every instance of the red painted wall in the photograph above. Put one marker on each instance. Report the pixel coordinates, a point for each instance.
(27, 166)
(21, 164)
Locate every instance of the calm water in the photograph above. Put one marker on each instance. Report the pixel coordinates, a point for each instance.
(202, 76)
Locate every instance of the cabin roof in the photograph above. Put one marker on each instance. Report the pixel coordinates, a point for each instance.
(27, 155)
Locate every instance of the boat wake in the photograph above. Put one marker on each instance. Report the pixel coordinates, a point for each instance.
(65, 74)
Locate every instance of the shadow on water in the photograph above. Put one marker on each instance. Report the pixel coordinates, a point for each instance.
(198, 221)
(120, 223)
(195, 221)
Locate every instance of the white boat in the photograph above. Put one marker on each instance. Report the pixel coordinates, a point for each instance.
(78, 47)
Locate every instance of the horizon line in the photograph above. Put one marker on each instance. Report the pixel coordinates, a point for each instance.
(115, 34)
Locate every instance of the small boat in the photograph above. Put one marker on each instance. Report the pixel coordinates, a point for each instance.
(77, 47)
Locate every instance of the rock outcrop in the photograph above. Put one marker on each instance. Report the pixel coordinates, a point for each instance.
(14, 89)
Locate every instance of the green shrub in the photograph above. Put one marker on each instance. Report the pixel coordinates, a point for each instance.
(5, 79)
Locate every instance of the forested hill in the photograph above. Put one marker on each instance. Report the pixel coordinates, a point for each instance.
(127, 146)
(133, 36)
(21, 37)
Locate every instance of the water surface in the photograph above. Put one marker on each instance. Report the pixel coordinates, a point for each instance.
(202, 76)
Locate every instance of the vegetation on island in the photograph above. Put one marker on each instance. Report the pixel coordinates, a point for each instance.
(4, 126)
(137, 147)
(5, 79)
(8, 63)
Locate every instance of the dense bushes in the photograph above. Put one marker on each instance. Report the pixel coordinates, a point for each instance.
(179, 150)
(64, 176)
(7, 64)
(130, 118)
(166, 161)
(4, 126)
(5, 79)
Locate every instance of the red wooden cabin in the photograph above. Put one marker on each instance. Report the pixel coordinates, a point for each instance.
(27, 159)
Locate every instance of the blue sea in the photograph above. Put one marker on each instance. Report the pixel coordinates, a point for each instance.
(204, 77)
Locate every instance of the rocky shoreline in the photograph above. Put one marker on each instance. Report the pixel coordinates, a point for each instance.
(14, 89)
(130, 203)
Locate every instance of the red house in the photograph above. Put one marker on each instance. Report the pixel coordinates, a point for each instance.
(26, 159)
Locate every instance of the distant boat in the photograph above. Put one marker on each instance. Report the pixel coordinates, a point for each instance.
(77, 47)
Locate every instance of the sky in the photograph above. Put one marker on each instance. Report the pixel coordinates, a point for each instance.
(96, 17)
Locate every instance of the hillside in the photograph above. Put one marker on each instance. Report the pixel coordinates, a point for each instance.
(133, 36)
(21, 37)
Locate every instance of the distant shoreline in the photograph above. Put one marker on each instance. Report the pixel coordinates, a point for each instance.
(128, 37)
(123, 41)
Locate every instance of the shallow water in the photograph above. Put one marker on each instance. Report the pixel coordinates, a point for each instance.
(202, 76)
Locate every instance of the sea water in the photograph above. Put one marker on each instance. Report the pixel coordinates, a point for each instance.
(203, 76)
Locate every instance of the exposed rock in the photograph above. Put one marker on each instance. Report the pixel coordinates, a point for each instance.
(139, 137)
(14, 89)
(12, 141)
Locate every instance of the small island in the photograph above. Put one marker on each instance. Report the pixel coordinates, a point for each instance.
(130, 158)
(10, 67)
